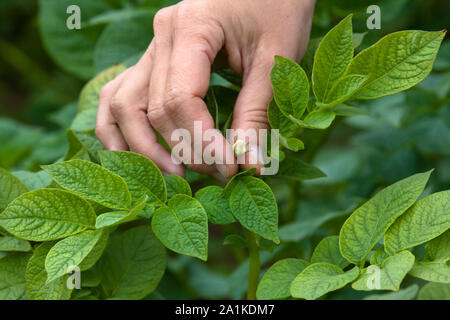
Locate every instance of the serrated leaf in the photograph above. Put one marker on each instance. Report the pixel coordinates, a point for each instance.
(395, 63)
(47, 214)
(367, 224)
(434, 271)
(133, 264)
(10, 188)
(390, 273)
(254, 206)
(404, 294)
(344, 88)
(290, 87)
(34, 180)
(216, 205)
(91, 182)
(110, 219)
(140, 173)
(176, 185)
(276, 282)
(12, 276)
(69, 252)
(182, 226)
(36, 277)
(425, 220)
(332, 57)
(434, 291)
(294, 168)
(320, 278)
(12, 244)
(379, 256)
(328, 251)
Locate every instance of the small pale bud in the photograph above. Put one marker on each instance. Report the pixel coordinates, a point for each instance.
(240, 147)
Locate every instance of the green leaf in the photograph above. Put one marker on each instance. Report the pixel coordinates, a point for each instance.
(434, 271)
(176, 185)
(379, 256)
(182, 226)
(36, 277)
(216, 205)
(290, 87)
(254, 206)
(320, 278)
(395, 63)
(234, 180)
(114, 218)
(391, 273)
(90, 94)
(10, 188)
(425, 220)
(278, 120)
(76, 150)
(123, 39)
(293, 144)
(13, 244)
(70, 251)
(47, 214)
(73, 50)
(332, 57)
(438, 248)
(320, 119)
(343, 90)
(294, 168)
(434, 291)
(12, 276)
(140, 173)
(328, 251)
(94, 256)
(358, 39)
(92, 182)
(347, 111)
(404, 294)
(234, 240)
(367, 224)
(34, 180)
(276, 282)
(133, 264)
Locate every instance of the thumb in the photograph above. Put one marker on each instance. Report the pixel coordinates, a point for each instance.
(250, 114)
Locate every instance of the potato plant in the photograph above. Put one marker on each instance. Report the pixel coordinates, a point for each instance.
(118, 220)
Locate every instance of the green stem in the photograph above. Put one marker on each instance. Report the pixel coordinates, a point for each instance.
(255, 264)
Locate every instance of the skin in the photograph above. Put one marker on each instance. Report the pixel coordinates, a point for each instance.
(164, 91)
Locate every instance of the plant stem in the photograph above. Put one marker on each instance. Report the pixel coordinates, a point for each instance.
(254, 266)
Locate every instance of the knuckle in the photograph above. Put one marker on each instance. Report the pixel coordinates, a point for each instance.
(162, 19)
(156, 114)
(117, 105)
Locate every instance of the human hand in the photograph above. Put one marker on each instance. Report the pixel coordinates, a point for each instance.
(165, 89)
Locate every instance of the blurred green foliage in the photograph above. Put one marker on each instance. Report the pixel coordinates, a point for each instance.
(42, 73)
